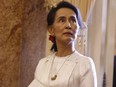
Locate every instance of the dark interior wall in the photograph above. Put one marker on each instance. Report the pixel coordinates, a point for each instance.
(33, 39)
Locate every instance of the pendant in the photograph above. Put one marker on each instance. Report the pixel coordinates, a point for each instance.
(54, 77)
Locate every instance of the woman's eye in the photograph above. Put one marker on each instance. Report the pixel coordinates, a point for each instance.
(73, 20)
(62, 20)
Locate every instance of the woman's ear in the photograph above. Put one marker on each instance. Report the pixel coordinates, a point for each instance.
(51, 30)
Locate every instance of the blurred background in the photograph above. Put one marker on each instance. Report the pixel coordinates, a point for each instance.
(24, 38)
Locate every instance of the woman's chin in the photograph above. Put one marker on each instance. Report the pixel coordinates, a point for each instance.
(69, 39)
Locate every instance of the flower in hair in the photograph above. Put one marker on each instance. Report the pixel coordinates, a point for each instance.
(52, 38)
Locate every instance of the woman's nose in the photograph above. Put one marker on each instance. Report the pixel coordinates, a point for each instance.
(68, 25)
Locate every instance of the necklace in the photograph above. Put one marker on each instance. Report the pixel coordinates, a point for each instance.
(53, 77)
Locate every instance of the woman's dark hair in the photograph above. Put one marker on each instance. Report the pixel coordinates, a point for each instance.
(52, 13)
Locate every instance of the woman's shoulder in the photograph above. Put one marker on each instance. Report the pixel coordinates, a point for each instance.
(80, 58)
(84, 63)
(45, 59)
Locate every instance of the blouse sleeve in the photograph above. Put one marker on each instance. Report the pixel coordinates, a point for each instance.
(36, 82)
(88, 73)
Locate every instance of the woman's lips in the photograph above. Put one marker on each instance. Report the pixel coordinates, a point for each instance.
(68, 33)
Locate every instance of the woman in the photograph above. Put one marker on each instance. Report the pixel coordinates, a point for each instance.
(65, 67)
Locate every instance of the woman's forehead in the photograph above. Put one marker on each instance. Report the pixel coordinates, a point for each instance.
(65, 12)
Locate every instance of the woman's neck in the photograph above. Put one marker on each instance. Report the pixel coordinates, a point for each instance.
(64, 53)
(64, 50)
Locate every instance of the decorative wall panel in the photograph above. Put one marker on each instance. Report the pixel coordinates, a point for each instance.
(33, 39)
(10, 42)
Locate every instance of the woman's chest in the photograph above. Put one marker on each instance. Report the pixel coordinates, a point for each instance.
(67, 76)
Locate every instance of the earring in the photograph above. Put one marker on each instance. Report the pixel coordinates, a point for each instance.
(52, 38)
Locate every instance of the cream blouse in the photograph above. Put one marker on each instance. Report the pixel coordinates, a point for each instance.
(77, 71)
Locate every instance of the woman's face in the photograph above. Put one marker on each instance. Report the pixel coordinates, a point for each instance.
(65, 26)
